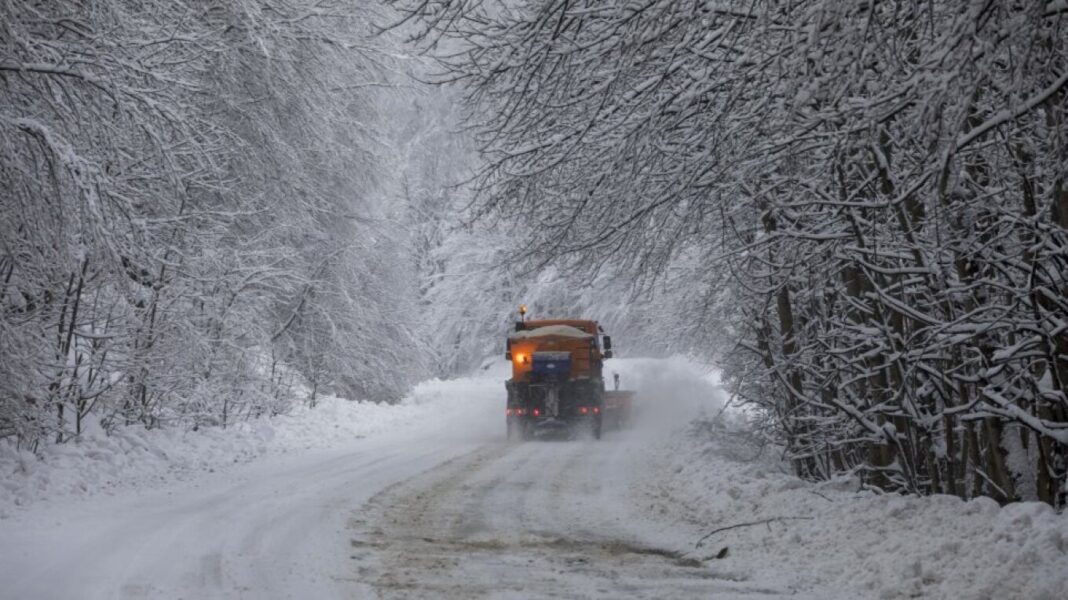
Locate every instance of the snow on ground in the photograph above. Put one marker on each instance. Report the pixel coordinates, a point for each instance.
(133, 457)
(427, 499)
(833, 537)
(271, 527)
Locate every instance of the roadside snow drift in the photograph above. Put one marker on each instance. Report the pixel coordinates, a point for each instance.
(741, 501)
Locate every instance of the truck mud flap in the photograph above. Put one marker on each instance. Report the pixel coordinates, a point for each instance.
(551, 426)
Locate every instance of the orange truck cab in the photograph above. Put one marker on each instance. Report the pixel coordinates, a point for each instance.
(557, 382)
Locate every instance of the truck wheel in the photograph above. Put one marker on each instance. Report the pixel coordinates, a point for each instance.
(509, 428)
(526, 431)
(597, 428)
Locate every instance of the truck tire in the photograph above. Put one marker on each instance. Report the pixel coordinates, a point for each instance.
(526, 431)
(519, 431)
(597, 423)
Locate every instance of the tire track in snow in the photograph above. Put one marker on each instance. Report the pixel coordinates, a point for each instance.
(535, 520)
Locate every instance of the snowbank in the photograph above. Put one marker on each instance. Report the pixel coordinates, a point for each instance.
(832, 537)
(134, 457)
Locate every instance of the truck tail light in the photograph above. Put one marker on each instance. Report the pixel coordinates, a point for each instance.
(507, 412)
(583, 410)
(537, 412)
(596, 410)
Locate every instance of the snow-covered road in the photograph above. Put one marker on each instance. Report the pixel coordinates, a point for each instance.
(274, 528)
(544, 520)
(443, 506)
(439, 505)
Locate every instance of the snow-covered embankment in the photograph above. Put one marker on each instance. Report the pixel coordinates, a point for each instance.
(774, 527)
(135, 458)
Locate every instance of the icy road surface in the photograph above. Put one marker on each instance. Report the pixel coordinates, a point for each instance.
(442, 508)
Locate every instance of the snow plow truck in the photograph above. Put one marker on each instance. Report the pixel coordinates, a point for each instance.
(557, 383)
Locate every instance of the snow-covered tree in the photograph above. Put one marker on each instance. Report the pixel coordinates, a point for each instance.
(196, 202)
(866, 200)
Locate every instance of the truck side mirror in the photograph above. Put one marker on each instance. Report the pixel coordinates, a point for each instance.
(607, 342)
(607, 354)
(507, 356)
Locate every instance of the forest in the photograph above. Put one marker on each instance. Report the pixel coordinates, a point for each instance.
(203, 206)
(858, 211)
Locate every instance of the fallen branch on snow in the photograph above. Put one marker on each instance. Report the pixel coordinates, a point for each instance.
(738, 525)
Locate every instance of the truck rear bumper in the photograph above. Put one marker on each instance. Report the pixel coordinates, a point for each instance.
(527, 427)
